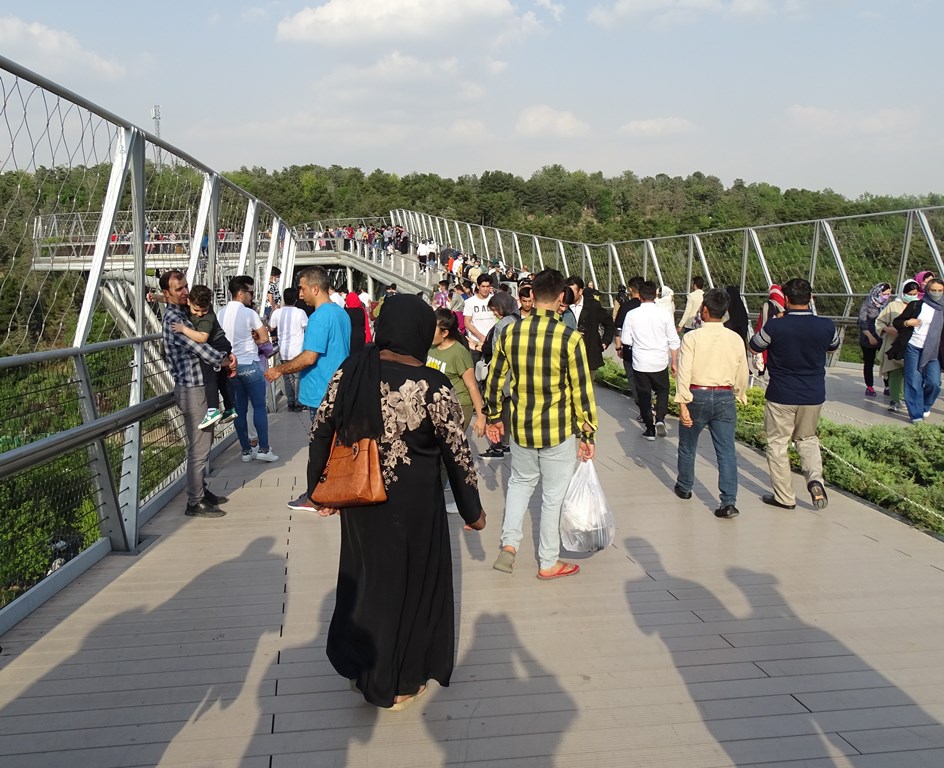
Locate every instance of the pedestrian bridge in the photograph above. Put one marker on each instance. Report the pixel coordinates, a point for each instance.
(130, 635)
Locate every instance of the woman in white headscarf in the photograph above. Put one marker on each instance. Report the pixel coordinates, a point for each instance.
(666, 300)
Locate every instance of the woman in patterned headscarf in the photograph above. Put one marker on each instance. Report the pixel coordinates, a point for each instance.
(393, 628)
(869, 339)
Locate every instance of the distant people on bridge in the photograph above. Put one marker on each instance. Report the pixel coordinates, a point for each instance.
(542, 447)
(273, 294)
(650, 331)
(892, 369)
(796, 343)
(206, 329)
(869, 341)
(183, 357)
(246, 332)
(422, 254)
(711, 375)
(919, 346)
(692, 311)
(291, 322)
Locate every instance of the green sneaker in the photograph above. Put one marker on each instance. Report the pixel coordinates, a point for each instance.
(228, 415)
(212, 416)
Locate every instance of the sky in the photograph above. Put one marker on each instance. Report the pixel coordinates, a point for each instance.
(814, 94)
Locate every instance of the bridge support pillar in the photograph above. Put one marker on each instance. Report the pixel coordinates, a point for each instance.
(350, 279)
(370, 286)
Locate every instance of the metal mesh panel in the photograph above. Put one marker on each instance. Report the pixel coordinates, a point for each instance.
(58, 161)
(48, 514)
(37, 400)
(672, 253)
(871, 249)
(723, 252)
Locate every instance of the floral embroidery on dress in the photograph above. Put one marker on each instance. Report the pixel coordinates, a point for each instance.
(446, 415)
(326, 409)
(403, 410)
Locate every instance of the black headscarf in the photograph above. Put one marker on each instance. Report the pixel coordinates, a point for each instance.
(405, 326)
(737, 313)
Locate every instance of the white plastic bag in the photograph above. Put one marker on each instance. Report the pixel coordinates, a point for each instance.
(586, 523)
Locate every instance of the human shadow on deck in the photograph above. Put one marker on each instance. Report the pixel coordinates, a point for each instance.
(770, 687)
(503, 707)
(145, 675)
(313, 716)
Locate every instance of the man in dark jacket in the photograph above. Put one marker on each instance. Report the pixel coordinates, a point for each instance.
(796, 343)
(594, 323)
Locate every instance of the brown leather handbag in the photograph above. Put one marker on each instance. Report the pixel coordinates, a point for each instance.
(352, 476)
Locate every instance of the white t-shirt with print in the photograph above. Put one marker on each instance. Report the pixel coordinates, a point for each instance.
(477, 310)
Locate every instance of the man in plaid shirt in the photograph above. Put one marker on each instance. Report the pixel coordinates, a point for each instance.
(183, 356)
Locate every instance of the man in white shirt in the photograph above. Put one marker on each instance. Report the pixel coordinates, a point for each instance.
(336, 297)
(246, 331)
(479, 318)
(365, 299)
(290, 322)
(651, 332)
(693, 305)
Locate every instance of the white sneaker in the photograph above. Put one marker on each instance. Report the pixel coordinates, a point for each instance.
(265, 456)
(247, 457)
(661, 431)
(926, 414)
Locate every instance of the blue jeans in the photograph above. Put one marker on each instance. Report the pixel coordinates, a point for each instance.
(249, 386)
(290, 382)
(715, 409)
(921, 387)
(553, 466)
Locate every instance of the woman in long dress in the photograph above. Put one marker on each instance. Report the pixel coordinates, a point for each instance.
(393, 627)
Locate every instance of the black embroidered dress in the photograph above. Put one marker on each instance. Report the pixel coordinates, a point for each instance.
(393, 627)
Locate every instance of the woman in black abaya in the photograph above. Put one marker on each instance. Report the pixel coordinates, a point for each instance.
(393, 627)
(737, 313)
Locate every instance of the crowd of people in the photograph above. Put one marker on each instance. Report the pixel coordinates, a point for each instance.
(511, 356)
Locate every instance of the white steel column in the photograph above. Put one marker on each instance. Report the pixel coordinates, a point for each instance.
(127, 138)
(247, 263)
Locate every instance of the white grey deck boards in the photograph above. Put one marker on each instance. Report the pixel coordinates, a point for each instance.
(799, 639)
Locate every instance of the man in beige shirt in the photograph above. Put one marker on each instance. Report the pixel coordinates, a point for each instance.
(696, 296)
(711, 374)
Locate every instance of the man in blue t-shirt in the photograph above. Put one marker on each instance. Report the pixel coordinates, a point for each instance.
(327, 341)
(796, 342)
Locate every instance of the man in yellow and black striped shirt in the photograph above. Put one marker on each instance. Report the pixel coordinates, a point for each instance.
(551, 402)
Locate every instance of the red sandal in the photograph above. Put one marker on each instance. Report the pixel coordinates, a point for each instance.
(566, 569)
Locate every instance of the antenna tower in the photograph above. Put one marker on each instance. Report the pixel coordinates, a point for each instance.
(156, 116)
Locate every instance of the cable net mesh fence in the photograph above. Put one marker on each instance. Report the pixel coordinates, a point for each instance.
(75, 272)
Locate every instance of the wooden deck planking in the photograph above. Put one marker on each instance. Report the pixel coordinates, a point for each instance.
(800, 638)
